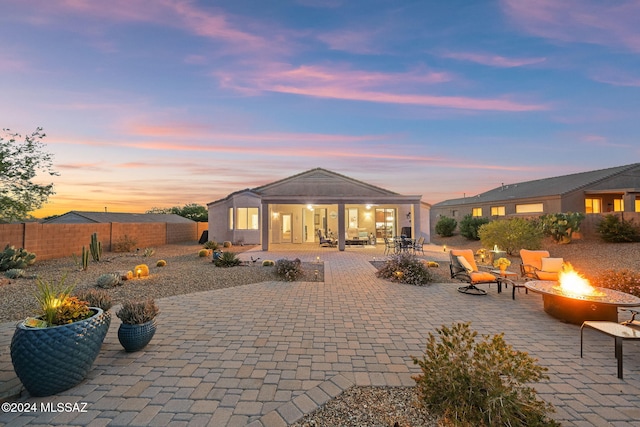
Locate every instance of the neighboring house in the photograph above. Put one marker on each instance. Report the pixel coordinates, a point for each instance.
(295, 209)
(601, 191)
(80, 217)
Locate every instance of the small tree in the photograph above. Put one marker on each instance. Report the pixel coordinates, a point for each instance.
(470, 224)
(511, 235)
(446, 226)
(193, 211)
(20, 163)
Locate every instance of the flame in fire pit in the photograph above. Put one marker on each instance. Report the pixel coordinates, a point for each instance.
(570, 282)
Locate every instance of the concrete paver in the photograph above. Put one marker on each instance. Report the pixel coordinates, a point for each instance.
(265, 354)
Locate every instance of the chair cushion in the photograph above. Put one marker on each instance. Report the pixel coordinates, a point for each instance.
(467, 254)
(552, 265)
(482, 276)
(463, 262)
(545, 275)
(533, 258)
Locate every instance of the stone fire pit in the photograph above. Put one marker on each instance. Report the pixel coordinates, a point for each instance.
(601, 304)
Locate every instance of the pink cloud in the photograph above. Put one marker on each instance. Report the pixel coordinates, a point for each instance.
(582, 21)
(356, 85)
(493, 60)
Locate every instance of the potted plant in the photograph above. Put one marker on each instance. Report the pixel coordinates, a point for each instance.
(502, 264)
(55, 350)
(138, 323)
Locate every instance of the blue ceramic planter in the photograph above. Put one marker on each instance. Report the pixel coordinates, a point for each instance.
(51, 360)
(136, 337)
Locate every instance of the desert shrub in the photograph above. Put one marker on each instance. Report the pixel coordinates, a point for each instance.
(469, 383)
(211, 245)
(227, 244)
(268, 263)
(406, 268)
(96, 298)
(511, 235)
(14, 273)
(469, 226)
(137, 312)
(227, 259)
(624, 280)
(561, 226)
(288, 270)
(613, 229)
(108, 280)
(161, 263)
(15, 258)
(148, 252)
(124, 244)
(70, 310)
(446, 226)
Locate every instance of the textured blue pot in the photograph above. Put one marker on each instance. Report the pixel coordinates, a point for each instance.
(51, 360)
(136, 337)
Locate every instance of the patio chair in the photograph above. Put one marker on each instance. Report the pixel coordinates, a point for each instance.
(389, 246)
(538, 265)
(324, 242)
(418, 245)
(463, 267)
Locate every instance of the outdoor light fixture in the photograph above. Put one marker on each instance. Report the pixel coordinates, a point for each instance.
(138, 272)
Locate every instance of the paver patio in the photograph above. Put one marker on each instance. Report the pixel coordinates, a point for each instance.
(265, 354)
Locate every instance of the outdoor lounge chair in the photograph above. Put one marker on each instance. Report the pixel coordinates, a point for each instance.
(324, 242)
(463, 267)
(538, 265)
(418, 246)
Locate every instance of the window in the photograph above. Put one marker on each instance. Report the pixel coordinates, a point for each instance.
(530, 208)
(246, 219)
(476, 212)
(637, 205)
(593, 206)
(618, 205)
(352, 214)
(497, 211)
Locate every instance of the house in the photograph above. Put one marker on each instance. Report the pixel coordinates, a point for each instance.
(595, 192)
(299, 208)
(80, 217)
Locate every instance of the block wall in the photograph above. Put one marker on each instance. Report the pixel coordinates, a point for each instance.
(50, 241)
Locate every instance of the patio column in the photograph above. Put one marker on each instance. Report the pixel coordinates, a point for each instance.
(415, 221)
(264, 226)
(629, 200)
(341, 227)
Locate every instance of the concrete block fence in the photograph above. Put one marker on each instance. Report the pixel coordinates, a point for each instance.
(50, 241)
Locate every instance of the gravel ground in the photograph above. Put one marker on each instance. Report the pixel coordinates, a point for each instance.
(186, 272)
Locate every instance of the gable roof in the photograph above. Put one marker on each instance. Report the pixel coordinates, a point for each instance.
(321, 186)
(321, 182)
(107, 217)
(546, 187)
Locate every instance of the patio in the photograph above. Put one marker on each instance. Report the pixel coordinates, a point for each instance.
(265, 354)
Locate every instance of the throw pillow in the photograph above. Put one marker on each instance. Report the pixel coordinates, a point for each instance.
(552, 265)
(463, 262)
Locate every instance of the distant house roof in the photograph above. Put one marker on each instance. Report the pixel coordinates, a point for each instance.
(80, 217)
(547, 187)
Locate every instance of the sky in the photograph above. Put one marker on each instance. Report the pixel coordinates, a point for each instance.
(161, 103)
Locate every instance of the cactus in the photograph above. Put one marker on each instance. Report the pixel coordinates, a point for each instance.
(161, 263)
(96, 247)
(149, 252)
(14, 273)
(203, 253)
(85, 259)
(108, 280)
(268, 263)
(141, 270)
(96, 298)
(15, 258)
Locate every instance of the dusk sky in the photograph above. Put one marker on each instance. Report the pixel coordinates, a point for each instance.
(160, 103)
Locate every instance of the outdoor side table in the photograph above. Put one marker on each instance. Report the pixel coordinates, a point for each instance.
(619, 332)
(502, 278)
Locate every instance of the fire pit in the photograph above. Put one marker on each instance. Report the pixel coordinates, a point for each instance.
(572, 299)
